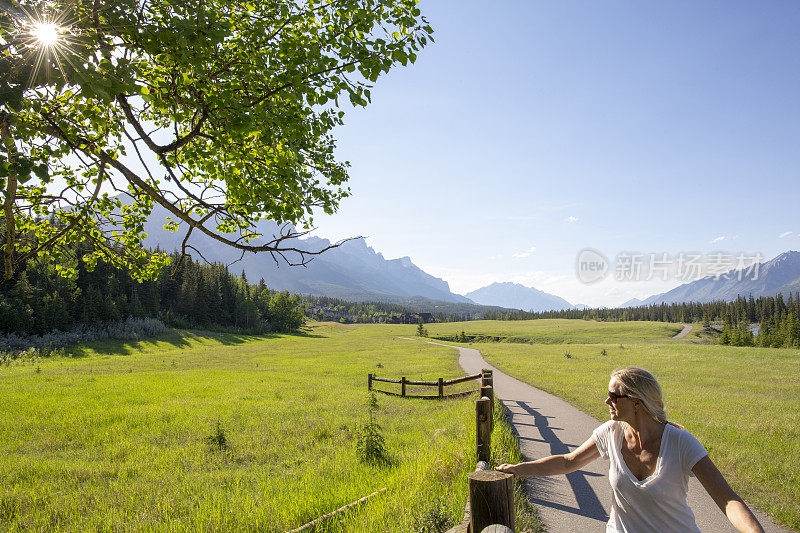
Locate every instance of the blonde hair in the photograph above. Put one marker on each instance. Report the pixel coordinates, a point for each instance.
(639, 384)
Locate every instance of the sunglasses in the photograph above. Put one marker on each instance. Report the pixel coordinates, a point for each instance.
(614, 397)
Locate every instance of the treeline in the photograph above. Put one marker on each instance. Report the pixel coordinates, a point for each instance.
(327, 308)
(192, 295)
(777, 317)
(778, 332)
(186, 294)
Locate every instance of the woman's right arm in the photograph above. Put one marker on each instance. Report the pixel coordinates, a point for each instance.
(555, 464)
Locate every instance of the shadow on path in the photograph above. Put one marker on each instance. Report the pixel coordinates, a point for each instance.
(540, 494)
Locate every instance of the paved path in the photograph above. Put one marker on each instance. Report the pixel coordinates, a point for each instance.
(579, 501)
(687, 328)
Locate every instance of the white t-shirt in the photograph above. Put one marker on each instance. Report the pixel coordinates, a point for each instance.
(658, 503)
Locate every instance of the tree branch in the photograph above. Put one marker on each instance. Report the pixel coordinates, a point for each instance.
(171, 147)
(68, 227)
(273, 246)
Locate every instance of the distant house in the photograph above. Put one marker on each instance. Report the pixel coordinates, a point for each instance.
(328, 314)
(413, 318)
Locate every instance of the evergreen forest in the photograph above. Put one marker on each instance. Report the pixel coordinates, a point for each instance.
(778, 318)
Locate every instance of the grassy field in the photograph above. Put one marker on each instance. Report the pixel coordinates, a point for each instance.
(742, 403)
(115, 437)
(560, 331)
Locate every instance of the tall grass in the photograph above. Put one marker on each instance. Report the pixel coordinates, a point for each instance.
(127, 435)
(505, 449)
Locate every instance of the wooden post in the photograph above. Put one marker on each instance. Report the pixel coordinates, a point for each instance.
(369, 381)
(483, 429)
(487, 377)
(441, 387)
(403, 386)
(488, 392)
(491, 500)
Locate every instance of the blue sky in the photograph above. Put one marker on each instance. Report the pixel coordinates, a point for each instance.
(531, 130)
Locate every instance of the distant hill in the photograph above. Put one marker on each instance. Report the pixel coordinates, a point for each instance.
(518, 296)
(778, 275)
(353, 271)
(633, 302)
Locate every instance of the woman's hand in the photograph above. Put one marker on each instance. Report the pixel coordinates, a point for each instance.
(508, 469)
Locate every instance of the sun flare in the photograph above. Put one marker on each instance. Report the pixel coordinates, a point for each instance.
(46, 33)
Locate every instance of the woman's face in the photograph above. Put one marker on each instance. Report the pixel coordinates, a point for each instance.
(622, 408)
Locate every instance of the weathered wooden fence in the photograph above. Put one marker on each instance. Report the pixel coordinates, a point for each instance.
(441, 383)
(490, 503)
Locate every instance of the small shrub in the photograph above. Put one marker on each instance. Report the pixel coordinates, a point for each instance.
(379, 365)
(371, 446)
(603, 352)
(434, 519)
(568, 355)
(421, 331)
(218, 439)
(321, 434)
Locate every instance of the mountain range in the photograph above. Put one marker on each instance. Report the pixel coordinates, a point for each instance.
(780, 274)
(356, 272)
(352, 271)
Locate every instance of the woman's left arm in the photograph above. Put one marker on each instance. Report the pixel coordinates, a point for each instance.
(724, 496)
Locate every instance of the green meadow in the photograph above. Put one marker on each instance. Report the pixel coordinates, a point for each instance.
(125, 436)
(742, 403)
(560, 331)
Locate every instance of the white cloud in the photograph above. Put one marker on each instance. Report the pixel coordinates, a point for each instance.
(784, 234)
(572, 219)
(718, 239)
(526, 253)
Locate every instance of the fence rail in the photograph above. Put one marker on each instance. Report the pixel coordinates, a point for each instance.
(441, 383)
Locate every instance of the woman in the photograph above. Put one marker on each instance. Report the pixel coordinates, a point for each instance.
(650, 462)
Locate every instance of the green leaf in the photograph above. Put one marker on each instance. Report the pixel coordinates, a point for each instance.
(41, 171)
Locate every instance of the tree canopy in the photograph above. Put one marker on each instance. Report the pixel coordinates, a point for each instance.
(221, 111)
